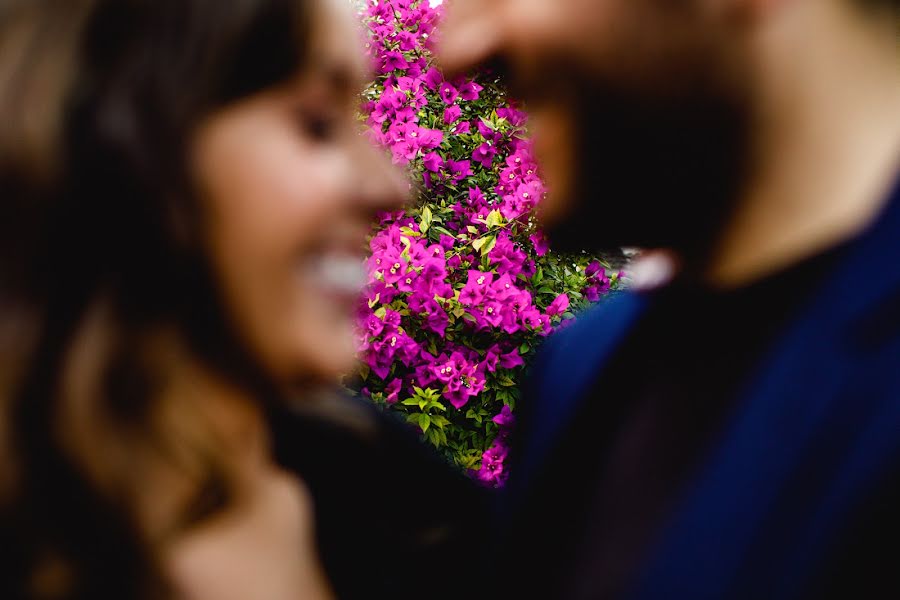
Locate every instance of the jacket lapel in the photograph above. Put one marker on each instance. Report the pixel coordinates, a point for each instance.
(571, 362)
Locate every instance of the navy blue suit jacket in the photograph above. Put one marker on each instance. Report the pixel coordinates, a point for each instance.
(814, 437)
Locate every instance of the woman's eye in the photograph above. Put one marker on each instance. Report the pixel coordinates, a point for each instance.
(318, 126)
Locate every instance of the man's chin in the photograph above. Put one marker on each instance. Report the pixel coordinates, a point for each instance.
(590, 231)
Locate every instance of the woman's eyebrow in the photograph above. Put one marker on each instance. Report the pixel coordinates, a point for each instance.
(341, 77)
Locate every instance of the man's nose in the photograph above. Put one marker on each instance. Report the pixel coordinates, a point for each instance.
(471, 33)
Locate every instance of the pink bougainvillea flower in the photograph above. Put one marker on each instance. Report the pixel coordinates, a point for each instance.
(452, 114)
(509, 179)
(511, 360)
(515, 117)
(392, 392)
(403, 152)
(492, 313)
(505, 420)
(407, 283)
(485, 154)
(448, 93)
(470, 296)
(559, 305)
(392, 318)
(430, 138)
(477, 285)
(491, 358)
(508, 259)
(462, 128)
(541, 243)
(374, 326)
(476, 197)
(470, 91)
(459, 169)
(394, 61)
(407, 40)
(492, 470)
(433, 162)
(407, 84)
(487, 132)
(447, 368)
(433, 78)
(447, 242)
(436, 319)
(406, 115)
(468, 385)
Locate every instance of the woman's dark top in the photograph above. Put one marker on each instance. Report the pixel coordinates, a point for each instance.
(393, 519)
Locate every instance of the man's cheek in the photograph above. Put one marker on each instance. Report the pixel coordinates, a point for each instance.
(555, 145)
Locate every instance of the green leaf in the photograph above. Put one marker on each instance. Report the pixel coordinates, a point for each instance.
(439, 421)
(440, 436)
(424, 422)
(495, 219)
(427, 217)
(434, 404)
(505, 381)
(485, 244)
(436, 437)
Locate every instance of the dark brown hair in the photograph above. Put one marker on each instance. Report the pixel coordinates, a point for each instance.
(100, 260)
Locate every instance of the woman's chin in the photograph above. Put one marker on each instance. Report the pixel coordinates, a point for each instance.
(334, 353)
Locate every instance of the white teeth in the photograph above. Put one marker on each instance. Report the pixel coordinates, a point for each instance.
(340, 273)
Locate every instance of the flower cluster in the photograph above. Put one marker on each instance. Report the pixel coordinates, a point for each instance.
(462, 285)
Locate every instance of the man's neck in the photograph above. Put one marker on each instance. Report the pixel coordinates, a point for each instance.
(828, 142)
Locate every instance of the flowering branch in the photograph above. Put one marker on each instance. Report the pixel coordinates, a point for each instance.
(463, 288)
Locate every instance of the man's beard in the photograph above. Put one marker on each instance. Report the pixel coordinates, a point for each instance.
(654, 169)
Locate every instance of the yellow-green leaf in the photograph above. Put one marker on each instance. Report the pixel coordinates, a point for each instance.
(485, 244)
(427, 217)
(495, 219)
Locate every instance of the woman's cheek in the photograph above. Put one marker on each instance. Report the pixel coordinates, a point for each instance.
(321, 333)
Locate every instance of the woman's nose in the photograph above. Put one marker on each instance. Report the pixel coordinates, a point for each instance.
(379, 184)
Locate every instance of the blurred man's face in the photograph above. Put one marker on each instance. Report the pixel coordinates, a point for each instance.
(640, 110)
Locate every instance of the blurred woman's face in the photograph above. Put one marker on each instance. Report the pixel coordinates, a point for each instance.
(290, 188)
